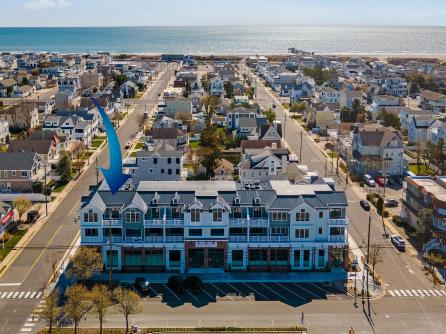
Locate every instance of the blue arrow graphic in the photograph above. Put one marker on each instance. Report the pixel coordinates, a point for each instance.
(113, 175)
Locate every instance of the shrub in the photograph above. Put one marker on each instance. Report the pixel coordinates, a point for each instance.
(361, 184)
(386, 214)
(369, 197)
(397, 220)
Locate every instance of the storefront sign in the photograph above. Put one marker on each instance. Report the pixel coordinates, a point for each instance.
(206, 244)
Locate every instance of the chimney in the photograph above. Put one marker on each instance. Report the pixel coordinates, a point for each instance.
(274, 145)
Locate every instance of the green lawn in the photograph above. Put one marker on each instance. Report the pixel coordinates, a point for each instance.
(59, 188)
(95, 143)
(10, 244)
(286, 106)
(139, 146)
(86, 155)
(332, 154)
(414, 169)
(194, 144)
(133, 154)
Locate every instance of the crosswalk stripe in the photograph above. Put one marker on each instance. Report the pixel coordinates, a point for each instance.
(437, 293)
(415, 293)
(29, 324)
(27, 294)
(397, 293)
(26, 329)
(420, 292)
(426, 292)
(4, 295)
(443, 292)
(21, 294)
(15, 294)
(38, 295)
(432, 293)
(32, 295)
(403, 293)
(10, 294)
(409, 293)
(391, 293)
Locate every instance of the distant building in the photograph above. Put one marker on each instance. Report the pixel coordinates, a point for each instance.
(433, 101)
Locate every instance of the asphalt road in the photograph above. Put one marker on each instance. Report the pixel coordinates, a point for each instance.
(31, 270)
(398, 270)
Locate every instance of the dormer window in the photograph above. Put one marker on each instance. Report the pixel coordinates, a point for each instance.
(155, 201)
(237, 200)
(257, 200)
(175, 200)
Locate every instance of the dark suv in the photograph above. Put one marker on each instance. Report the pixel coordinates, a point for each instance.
(176, 283)
(32, 216)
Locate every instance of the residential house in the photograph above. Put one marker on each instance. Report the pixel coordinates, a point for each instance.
(426, 192)
(347, 97)
(217, 226)
(171, 136)
(322, 116)
(7, 87)
(163, 163)
(437, 131)
(271, 131)
(4, 132)
(24, 91)
(75, 127)
(234, 116)
(174, 107)
(417, 132)
(396, 86)
(301, 90)
(90, 79)
(217, 87)
(20, 170)
(433, 101)
(241, 99)
(376, 150)
(20, 116)
(129, 89)
(224, 171)
(65, 100)
(329, 95)
(68, 84)
(238, 88)
(380, 102)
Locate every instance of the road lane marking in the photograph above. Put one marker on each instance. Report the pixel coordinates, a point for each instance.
(29, 324)
(27, 294)
(165, 285)
(38, 295)
(311, 293)
(391, 293)
(403, 293)
(443, 292)
(420, 293)
(409, 293)
(3, 295)
(10, 294)
(208, 294)
(32, 295)
(221, 291)
(15, 294)
(415, 293)
(21, 294)
(26, 329)
(397, 293)
(326, 291)
(190, 294)
(10, 284)
(156, 293)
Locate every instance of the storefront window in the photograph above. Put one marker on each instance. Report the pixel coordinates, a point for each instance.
(154, 258)
(258, 257)
(133, 257)
(320, 258)
(279, 257)
(337, 257)
(174, 258)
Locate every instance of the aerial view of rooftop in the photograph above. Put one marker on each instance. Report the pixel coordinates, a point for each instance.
(255, 166)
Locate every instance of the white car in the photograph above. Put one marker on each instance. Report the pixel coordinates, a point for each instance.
(398, 241)
(369, 180)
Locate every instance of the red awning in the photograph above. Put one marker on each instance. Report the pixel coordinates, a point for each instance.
(5, 219)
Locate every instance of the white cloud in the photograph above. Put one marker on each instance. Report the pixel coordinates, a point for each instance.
(45, 4)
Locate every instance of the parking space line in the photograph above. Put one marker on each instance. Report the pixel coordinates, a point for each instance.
(273, 291)
(165, 285)
(190, 294)
(238, 291)
(255, 291)
(221, 291)
(326, 291)
(156, 293)
(311, 293)
(207, 293)
(290, 291)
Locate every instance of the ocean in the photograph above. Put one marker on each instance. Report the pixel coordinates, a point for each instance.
(374, 40)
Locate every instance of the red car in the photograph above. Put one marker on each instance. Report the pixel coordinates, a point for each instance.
(380, 181)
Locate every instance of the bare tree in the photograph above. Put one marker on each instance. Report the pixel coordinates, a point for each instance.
(127, 304)
(21, 204)
(375, 256)
(141, 122)
(78, 148)
(77, 304)
(50, 310)
(53, 261)
(100, 298)
(86, 263)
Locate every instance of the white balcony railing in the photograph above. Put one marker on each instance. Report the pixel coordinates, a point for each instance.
(238, 238)
(337, 238)
(154, 239)
(164, 222)
(238, 222)
(178, 238)
(279, 238)
(258, 222)
(258, 238)
(114, 239)
(113, 222)
(134, 239)
(338, 222)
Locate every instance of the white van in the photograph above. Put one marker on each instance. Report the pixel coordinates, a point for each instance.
(369, 180)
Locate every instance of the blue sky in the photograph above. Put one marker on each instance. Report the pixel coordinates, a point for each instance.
(20, 13)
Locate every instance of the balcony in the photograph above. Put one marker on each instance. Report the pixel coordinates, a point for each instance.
(114, 239)
(337, 238)
(434, 244)
(134, 240)
(235, 222)
(258, 222)
(174, 238)
(112, 222)
(338, 222)
(154, 239)
(164, 222)
(440, 224)
(238, 238)
(258, 238)
(279, 238)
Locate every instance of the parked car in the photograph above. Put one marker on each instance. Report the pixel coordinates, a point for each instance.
(128, 144)
(32, 216)
(390, 202)
(398, 242)
(176, 283)
(142, 284)
(380, 181)
(369, 180)
(317, 139)
(365, 204)
(194, 283)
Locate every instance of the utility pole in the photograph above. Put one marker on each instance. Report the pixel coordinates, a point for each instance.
(300, 150)
(44, 188)
(368, 256)
(110, 264)
(97, 171)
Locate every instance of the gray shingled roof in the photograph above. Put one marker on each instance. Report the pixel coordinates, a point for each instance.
(17, 160)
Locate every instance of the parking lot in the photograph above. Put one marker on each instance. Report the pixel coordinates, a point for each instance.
(287, 292)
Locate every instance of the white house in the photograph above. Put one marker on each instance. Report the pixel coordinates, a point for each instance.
(217, 87)
(329, 95)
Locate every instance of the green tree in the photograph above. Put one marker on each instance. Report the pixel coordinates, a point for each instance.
(50, 310)
(63, 167)
(298, 107)
(389, 119)
(380, 205)
(77, 304)
(127, 304)
(229, 89)
(120, 79)
(270, 115)
(21, 204)
(25, 81)
(424, 223)
(209, 103)
(100, 299)
(85, 263)
(250, 93)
